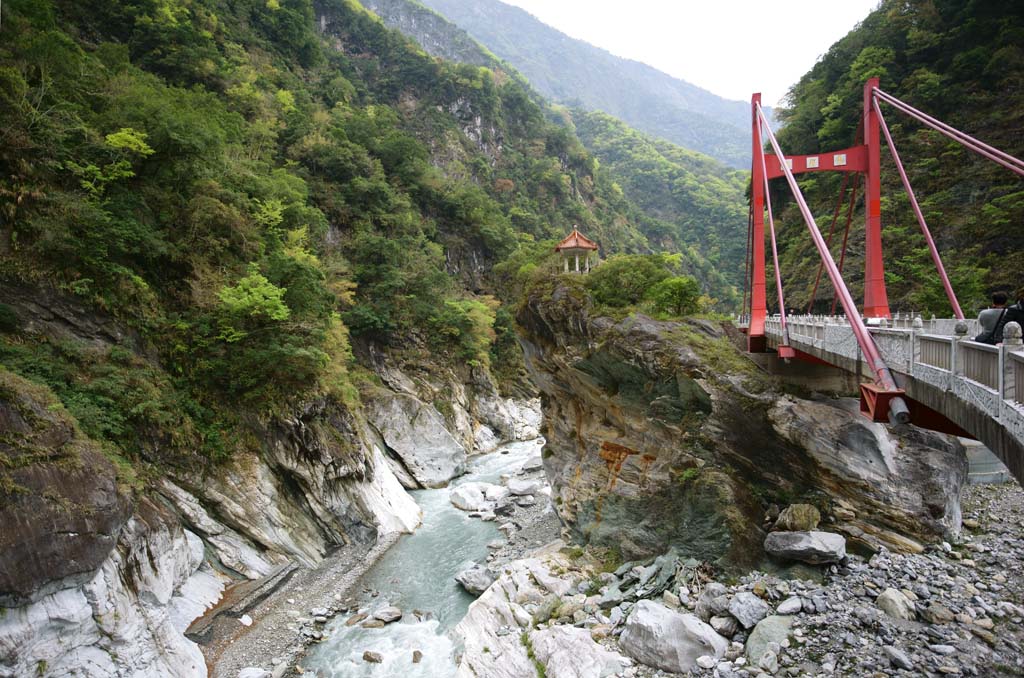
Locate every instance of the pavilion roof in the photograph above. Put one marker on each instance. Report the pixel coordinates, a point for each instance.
(576, 241)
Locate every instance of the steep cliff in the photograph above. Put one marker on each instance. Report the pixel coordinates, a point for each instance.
(107, 564)
(662, 434)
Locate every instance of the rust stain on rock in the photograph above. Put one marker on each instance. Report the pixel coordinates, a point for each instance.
(614, 456)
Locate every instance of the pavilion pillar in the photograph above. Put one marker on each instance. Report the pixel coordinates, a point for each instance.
(577, 262)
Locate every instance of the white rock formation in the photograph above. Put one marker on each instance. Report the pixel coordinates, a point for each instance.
(569, 652)
(473, 496)
(119, 623)
(492, 628)
(416, 432)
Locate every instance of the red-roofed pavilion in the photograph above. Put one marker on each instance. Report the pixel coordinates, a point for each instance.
(574, 246)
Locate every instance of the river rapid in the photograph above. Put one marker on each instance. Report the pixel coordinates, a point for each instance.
(418, 574)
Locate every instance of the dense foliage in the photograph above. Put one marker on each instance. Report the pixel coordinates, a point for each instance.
(629, 282)
(962, 62)
(248, 196)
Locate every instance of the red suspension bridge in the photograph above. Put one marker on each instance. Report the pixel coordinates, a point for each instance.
(929, 374)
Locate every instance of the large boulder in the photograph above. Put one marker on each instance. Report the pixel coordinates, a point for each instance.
(475, 578)
(668, 640)
(417, 434)
(816, 548)
(569, 652)
(522, 488)
(471, 497)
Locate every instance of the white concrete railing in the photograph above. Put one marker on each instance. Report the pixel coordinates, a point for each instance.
(989, 377)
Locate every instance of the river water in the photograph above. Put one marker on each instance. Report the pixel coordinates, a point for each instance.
(418, 573)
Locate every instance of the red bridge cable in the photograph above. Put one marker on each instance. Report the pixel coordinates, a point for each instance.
(1005, 159)
(775, 251)
(872, 357)
(846, 236)
(917, 212)
(831, 232)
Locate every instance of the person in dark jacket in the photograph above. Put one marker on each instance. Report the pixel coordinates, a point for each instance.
(991, 315)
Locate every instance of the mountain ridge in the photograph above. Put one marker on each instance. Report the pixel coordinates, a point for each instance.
(575, 73)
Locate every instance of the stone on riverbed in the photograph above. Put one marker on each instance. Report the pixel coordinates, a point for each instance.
(254, 672)
(816, 548)
(372, 657)
(388, 614)
(895, 604)
(523, 487)
(748, 609)
(471, 497)
(475, 578)
(534, 464)
(668, 640)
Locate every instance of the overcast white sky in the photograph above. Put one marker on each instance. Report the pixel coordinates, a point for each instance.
(730, 47)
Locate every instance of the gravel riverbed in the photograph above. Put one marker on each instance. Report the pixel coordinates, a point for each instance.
(955, 609)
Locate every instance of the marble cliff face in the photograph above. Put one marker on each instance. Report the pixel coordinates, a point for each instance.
(663, 434)
(98, 572)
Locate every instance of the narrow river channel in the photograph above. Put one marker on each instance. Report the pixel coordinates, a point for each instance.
(418, 573)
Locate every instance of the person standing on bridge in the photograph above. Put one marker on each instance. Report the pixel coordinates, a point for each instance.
(990, 317)
(1007, 314)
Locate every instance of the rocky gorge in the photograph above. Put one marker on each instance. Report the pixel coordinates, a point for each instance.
(100, 577)
(733, 500)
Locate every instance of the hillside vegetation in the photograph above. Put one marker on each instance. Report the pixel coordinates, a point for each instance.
(962, 62)
(575, 73)
(251, 197)
(692, 203)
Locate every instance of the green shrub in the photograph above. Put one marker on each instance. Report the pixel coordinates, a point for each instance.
(625, 279)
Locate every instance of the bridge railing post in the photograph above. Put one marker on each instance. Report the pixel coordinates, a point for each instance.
(916, 328)
(1011, 363)
(955, 368)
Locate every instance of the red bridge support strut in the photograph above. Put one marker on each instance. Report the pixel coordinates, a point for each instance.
(758, 279)
(876, 302)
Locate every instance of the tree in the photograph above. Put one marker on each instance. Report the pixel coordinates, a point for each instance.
(678, 295)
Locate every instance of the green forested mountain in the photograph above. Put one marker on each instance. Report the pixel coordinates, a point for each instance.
(252, 186)
(692, 202)
(575, 73)
(962, 62)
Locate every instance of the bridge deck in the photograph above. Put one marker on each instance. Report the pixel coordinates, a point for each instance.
(978, 387)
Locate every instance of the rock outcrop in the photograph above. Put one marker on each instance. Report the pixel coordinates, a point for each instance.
(663, 433)
(416, 434)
